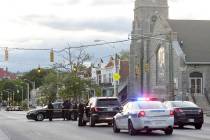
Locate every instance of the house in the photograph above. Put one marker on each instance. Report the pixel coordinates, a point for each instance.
(175, 52)
(5, 74)
(103, 75)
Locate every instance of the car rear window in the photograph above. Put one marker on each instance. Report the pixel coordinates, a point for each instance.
(107, 102)
(183, 104)
(149, 105)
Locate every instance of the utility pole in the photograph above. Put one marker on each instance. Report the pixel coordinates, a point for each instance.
(171, 68)
(142, 63)
(28, 92)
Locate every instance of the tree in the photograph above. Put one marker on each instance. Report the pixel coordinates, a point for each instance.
(124, 55)
(75, 87)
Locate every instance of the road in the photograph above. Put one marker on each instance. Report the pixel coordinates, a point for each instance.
(14, 126)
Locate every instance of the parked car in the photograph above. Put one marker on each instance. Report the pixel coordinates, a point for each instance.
(99, 110)
(144, 115)
(186, 113)
(41, 114)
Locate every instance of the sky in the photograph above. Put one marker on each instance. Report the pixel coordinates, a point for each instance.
(59, 23)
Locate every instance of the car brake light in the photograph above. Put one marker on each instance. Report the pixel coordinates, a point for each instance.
(141, 114)
(94, 109)
(171, 113)
(178, 110)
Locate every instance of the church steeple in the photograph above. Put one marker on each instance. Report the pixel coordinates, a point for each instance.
(146, 9)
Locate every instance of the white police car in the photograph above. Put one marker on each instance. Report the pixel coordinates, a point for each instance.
(144, 115)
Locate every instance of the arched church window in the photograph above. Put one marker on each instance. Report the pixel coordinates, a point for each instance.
(161, 65)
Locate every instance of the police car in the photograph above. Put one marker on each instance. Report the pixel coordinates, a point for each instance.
(144, 115)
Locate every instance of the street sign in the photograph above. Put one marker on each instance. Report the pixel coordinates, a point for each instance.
(116, 76)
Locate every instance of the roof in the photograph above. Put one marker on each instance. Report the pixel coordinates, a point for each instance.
(195, 35)
(6, 74)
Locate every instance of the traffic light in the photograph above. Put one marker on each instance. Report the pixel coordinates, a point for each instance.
(39, 69)
(146, 67)
(51, 55)
(6, 54)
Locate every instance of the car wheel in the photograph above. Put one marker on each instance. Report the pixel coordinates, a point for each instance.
(109, 124)
(131, 130)
(148, 131)
(115, 129)
(39, 117)
(168, 131)
(92, 121)
(198, 126)
(181, 126)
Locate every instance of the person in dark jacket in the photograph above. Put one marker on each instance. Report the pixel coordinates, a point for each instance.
(64, 109)
(50, 110)
(80, 113)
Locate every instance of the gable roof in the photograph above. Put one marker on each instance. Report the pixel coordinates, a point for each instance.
(195, 35)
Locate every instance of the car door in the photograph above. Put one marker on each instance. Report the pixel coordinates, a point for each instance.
(57, 112)
(125, 115)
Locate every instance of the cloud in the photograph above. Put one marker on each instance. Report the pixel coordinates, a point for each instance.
(118, 24)
(109, 2)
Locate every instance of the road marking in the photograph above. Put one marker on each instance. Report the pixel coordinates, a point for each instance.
(3, 136)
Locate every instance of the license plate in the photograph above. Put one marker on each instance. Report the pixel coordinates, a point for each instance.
(159, 122)
(190, 120)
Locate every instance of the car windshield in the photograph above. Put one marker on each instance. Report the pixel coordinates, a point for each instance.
(149, 105)
(107, 102)
(183, 104)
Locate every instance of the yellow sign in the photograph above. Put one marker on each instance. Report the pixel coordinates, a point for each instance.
(116, 76)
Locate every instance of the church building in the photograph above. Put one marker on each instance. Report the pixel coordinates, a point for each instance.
(169, 59)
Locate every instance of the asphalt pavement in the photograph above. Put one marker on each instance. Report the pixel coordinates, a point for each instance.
(14, 126)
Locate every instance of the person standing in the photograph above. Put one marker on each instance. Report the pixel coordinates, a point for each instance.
(50, 110)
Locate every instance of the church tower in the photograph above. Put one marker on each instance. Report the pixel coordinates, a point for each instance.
(145, 14)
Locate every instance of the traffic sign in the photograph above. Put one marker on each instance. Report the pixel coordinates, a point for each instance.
(116, 76)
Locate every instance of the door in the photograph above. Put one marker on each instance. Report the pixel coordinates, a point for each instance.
(125, 115)
(57, 112)
(196, 86)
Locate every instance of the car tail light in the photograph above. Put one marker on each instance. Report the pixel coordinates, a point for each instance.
(94, 109)
(171, 113)
(178, 110)
(141, 114)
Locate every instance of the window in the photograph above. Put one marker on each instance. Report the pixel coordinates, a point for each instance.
(99, 79)
(160, 65)
(110, 78)
(105, 79)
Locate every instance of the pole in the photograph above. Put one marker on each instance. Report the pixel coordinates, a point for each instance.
(142, 64)
(115, 82)
(22, 97)
(28, 95)
(13, 98)
(171, 75)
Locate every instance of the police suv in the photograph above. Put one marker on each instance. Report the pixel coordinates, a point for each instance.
(144, 115)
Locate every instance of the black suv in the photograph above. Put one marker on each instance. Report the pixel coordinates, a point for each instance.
(186, 113)
(99, 110)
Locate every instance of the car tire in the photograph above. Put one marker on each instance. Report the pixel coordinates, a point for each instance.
(40, 117)
(168, 131)
(115, 129)
(131, 130)
(181, 126)
(92, 121)
(198, 126)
